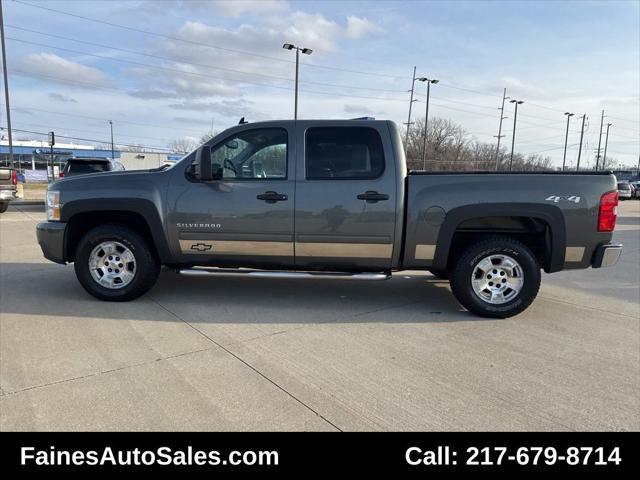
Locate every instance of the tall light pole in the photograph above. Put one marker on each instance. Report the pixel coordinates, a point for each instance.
(599, 141)
(513, 137)
(306, 51)
(113, 155)
(584, 117)
(411, 100)
(426, 119)
(566, 138)
(6, 87)
(606, 142)
(502, 117)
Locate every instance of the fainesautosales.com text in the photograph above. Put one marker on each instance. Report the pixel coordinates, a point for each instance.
(140, 457)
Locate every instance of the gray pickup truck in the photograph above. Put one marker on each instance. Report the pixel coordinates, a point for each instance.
(8, 187)
(329, 198)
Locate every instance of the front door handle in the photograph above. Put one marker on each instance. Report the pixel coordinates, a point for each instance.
(372, 197)
(272, 197)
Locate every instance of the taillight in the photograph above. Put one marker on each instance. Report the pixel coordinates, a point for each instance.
(608, 211)
(61, 174)
(14, 177)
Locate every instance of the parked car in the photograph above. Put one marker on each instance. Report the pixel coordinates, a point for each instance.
(624, 190)
(332, 199)
(635, 189)
(83, 166)
(8, 187)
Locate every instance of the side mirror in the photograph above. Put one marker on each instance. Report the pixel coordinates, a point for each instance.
(202, 164)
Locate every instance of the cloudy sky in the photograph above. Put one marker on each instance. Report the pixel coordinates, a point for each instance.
(169, 69)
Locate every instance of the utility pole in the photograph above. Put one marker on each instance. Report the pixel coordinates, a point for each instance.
(406, 139)
(566, 138)
(599, 140)
(581, 137)
(112, 149)
(502, 117)
(306, 51)
(513, 138)
(6, 87)
(606, 142)
(426, 121)
(52, 142)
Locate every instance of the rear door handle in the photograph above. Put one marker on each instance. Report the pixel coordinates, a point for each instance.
(372, 196)
(272, 197)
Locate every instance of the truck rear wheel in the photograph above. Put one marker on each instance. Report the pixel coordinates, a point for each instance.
(497, 277)
(4, 206)
(115, 263)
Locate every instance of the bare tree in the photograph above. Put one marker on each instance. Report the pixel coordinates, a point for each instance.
(184, 144)
(449, 147)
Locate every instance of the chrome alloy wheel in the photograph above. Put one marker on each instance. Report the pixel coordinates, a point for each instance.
(497, 279)
(112, 265)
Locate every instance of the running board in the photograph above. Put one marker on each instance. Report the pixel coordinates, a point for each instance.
(227, 272)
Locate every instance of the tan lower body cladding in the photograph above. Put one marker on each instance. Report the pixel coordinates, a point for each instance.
(425, 252)
(278, 249)
(573, 254)
(236, 247)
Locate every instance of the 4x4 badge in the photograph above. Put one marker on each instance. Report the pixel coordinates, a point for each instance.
(201, 247)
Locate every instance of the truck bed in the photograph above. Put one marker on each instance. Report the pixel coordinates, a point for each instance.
(565, 205)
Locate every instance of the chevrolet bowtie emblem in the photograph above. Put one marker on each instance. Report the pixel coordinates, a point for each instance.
(201, 247)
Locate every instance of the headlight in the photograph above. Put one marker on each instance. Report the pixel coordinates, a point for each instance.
(53, 205)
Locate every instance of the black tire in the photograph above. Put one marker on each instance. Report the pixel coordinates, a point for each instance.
(461, 276)
(4, 206)
(147, 266)
(440, 274)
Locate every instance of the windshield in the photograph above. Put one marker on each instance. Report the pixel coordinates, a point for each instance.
(89, 166)
(624, 186)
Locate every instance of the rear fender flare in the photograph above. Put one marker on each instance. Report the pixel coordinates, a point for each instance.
(550, 214)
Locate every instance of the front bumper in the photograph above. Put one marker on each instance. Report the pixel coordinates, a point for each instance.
(51, 240)
(606, 255)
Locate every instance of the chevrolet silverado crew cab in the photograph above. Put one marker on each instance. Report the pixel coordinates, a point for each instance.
(314, 198)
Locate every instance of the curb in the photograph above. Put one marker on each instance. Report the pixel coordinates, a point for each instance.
(18, 203)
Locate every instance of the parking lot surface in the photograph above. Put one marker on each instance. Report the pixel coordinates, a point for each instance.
(262, 354)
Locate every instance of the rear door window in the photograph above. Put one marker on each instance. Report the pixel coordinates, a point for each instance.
(89, 166)
(347, 153)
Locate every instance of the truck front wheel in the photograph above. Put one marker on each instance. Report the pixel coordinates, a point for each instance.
(497, 277)
(115, 263)
(4, 206)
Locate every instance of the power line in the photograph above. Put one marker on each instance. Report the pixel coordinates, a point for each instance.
(31, 109)
(182, 72)
(206, 45)
(150, 55)
(624, 119)
(37, 125)
(253, 54)
(87, 84)
(90, 139)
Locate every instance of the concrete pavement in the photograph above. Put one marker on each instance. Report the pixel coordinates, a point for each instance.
(261, 354)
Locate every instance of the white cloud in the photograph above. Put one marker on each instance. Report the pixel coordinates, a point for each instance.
(519, 88)
(359, 27)
(62, 69)
(212, 72)
(229, 108)
(62, 98)
(357, 109)
(237, 8)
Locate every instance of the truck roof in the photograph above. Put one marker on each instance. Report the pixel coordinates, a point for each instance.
(339, 121)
